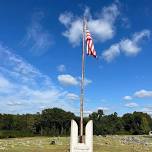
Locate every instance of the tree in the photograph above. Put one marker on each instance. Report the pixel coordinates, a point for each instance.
(55, 121)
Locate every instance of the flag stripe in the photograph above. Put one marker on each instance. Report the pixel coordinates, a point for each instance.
(90, 45)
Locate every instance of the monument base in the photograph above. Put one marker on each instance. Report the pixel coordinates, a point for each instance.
(87, 145)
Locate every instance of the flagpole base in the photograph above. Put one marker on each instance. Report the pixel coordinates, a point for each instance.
(82, 146)
(81, 139)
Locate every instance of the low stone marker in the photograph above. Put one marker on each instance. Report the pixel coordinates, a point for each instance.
(150, 133)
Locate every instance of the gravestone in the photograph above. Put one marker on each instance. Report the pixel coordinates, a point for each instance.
(87, 145)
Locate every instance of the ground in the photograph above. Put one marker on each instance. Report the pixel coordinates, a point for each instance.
(101, 144)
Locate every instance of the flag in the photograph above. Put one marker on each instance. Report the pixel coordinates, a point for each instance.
(89, 44)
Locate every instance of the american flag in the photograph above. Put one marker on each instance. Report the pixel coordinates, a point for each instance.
(89, 44)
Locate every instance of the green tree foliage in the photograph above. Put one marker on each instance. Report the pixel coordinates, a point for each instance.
(137, 123)
(106, 124)
(56, 122)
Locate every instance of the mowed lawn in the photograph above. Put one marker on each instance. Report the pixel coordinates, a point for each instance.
(101, 144)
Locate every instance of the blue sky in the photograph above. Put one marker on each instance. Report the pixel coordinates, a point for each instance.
(40, 55)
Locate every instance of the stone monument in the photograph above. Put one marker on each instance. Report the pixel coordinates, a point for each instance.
(87, 144)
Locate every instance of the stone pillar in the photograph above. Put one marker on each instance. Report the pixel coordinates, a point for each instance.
(74, 135)
(87, 146)
(89, 135)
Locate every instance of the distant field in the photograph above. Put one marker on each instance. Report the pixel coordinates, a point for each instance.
(101, 144)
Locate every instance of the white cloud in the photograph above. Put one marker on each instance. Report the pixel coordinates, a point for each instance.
(72, 96)
(4, 83)
(131, 105)
(139, 94)
(17, 68)
(129, 47)
(24, 89)
(102, 27)
(148, 110)
(140, 35)
(61, 68)
(111, 53)
(143, 93)
(44, 95)
(67, 79)
(37, 37)
(66, 18)
(87, 81)
(14, 103)
(74, 32)
(127, 98)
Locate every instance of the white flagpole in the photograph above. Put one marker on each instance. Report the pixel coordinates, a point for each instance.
(82, 83)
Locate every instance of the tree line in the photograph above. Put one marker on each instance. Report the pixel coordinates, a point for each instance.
(56, 122)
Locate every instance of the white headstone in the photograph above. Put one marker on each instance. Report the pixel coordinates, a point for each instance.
(150, 133)
(87, 146)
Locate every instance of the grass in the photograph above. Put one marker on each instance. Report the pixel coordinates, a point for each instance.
(101, 144)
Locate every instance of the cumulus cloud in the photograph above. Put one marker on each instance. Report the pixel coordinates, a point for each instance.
(143, 93)
(24, 88)
(111, 53)
(66, 18)
(129, 47)
(102, 26)
(74, 32)
(139, 94)
(37, 37)
(72, 96)
(61, 68)
(127, 98)
(67, 79)
(131, 105)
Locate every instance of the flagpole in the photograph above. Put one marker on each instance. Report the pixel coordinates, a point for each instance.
(82, 83)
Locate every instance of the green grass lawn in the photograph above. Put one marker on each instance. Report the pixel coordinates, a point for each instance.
(101, 144)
